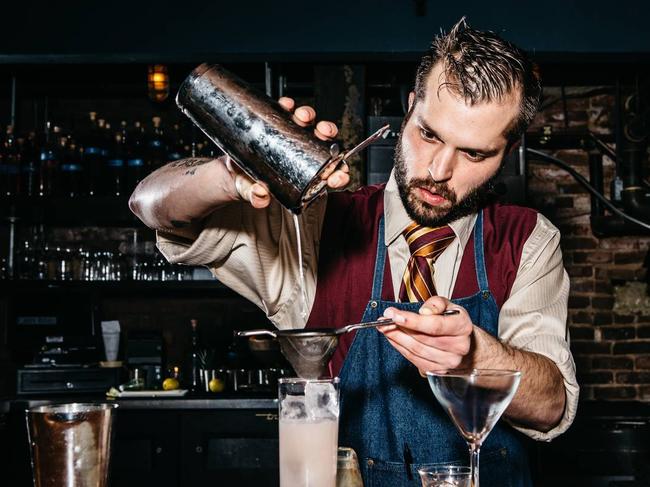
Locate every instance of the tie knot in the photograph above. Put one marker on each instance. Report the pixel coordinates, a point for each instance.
(426, 241)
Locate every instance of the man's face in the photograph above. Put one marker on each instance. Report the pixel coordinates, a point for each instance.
(449, 152)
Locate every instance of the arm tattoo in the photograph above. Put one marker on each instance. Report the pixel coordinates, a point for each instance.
(190, 162)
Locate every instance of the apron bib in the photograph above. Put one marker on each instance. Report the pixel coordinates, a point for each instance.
(389, 414)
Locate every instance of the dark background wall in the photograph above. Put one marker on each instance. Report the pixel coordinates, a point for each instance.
(219, 30)
(609, 304)
(579, 45)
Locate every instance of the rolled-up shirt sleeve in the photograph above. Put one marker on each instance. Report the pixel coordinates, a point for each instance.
(254, 252)
(534, 317)
(212, 245)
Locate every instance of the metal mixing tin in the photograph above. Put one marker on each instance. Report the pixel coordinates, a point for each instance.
(259, 135)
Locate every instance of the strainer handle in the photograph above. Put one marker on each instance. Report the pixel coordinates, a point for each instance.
(371, 324)
(251, 333)
(360, 326)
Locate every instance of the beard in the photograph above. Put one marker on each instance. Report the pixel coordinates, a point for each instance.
(428, 215)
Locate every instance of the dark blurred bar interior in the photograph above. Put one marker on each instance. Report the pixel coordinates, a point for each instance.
(87, 110)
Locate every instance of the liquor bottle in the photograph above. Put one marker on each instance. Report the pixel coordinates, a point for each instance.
(71, 169)
(115, 167)
(138, 138)
(4, 171)
(49, 161)
(194, 148)
(10, 164)
(93, 154)
(195, 365)
(105, 140)
(177, 147)
(157, 146)
(209, 149)
(135, 155)
(30, 165)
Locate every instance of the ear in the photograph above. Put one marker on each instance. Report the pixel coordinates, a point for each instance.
(411, 99)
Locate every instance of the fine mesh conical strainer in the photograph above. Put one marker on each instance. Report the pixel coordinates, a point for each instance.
(309, 350)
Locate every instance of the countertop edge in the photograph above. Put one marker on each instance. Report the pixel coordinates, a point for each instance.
(22, 403)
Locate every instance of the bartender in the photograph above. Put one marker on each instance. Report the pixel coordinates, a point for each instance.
(428, 240)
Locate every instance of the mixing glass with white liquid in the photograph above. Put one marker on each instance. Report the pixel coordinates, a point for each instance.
(309, 426)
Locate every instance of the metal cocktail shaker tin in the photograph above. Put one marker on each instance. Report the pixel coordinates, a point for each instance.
(258, 134)
(71, 444)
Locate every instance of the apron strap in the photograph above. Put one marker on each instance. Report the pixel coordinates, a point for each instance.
(479, 255)
(380, 262)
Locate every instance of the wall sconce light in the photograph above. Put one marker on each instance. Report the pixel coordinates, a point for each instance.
(158, 82)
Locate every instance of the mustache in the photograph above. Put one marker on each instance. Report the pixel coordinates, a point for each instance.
(441, 189)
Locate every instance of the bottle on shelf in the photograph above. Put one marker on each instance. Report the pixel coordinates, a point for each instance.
(93, 160)
(209, 149)
(71, 179)
(30, 165)
(195, 360)
(157, 146)
(93, 154)
(135, 170)
(115, 167)
(177, 148)
(48, 168)
(10, 165)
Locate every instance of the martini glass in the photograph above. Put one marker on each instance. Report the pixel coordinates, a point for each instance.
(474, 399)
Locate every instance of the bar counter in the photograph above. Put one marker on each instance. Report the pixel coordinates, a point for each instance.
(167, 442)
(182, 403)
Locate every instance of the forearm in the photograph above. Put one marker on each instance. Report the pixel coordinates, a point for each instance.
(540, 400)
(178, 196)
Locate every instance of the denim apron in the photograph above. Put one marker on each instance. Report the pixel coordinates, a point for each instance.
(389, 414)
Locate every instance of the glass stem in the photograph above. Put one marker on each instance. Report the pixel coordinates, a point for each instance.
(474, 451)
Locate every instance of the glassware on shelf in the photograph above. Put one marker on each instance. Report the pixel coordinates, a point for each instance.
(64, 263)
(39, 259)
(101, 266)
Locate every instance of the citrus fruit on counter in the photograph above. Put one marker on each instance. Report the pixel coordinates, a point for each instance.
(216, 385)
(169, 384)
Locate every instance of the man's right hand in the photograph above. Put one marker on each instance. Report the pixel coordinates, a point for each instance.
(256, 193)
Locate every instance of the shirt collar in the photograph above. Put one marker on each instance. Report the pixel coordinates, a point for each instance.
(396, 218)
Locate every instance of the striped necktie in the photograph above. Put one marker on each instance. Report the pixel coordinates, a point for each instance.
(425, 244)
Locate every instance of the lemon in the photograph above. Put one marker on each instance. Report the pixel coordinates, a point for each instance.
(216, 385)
(170, 384)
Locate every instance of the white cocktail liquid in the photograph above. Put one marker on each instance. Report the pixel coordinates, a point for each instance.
(308, 452)
(303, 291)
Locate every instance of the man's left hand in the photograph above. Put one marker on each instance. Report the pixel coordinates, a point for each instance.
(428, 339)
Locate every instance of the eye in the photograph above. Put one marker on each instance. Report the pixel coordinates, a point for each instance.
(426, 135)
(474, 156)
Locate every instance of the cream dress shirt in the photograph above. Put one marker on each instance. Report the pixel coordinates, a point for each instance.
(254, 252)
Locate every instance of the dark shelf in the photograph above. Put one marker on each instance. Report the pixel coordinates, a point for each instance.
(77, 211)
(114, 287)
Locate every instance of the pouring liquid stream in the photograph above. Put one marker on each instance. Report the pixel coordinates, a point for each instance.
(303, 291)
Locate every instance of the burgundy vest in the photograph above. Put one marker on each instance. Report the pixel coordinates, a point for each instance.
(348, 248)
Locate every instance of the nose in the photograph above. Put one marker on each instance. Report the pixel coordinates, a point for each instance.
(442, 166)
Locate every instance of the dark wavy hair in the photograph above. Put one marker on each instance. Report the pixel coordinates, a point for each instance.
(480, 66)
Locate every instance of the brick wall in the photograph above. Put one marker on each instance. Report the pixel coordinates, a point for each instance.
(609, 307)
